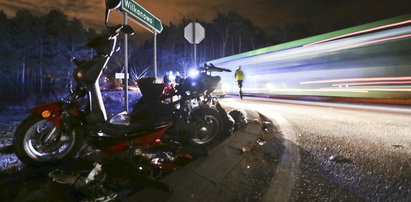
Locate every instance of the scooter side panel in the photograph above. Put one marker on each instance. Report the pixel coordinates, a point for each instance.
(145, 140)
(55, 108)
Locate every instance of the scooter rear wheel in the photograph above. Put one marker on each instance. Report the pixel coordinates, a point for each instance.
(37, 141)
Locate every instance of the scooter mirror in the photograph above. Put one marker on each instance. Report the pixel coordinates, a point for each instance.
(111, 4)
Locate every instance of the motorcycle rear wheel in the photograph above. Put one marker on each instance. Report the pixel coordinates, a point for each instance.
(31, 147)
(208, 126)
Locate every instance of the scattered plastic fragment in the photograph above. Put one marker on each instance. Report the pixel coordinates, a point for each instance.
(398, 146)
(339, 159)
(264, 128)
(267, 123)
(334, 158)
(248, 166)
(254, 121)
(243, 149)
(261, 141)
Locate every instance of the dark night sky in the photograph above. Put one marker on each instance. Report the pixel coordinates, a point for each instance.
(264, 13)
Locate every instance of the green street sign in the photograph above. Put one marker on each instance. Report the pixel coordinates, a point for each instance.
(141, 14)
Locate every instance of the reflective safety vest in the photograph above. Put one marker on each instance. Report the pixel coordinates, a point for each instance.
(239, 75)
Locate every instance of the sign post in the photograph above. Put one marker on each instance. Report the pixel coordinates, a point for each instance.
(194, 33)
(148, 21)
(155, 54)
(126, 66)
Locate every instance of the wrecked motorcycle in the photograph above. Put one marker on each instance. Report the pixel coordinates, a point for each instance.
(167, 126)
(62, 129)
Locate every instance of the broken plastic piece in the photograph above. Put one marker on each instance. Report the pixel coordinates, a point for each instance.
(256, 120)
(243, 149)
(264, 128)
(64, 177)
(93, 173)
(333, 158)
(261, 141)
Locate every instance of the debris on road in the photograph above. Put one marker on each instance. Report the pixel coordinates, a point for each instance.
(261, 141)
(339, 159)
(334, 158)
(256, 121)
(243, 149)
(264, 128)
(398, 146)
(267, 123)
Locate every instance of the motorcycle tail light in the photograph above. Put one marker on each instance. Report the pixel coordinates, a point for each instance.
(45, 114)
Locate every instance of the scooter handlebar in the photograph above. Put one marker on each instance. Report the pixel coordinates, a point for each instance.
(211, 68)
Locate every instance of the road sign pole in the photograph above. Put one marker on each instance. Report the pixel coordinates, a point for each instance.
(125, 66)
(190, 32)
(195, 45)
(155, 54)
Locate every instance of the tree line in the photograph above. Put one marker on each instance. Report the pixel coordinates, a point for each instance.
(36, 51)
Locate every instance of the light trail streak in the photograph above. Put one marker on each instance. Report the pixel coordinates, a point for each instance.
(390, 89)
(359, 79)
(348, 90)
(360, 32)
(372, 42)
(308, 90)
(376, 71)
(372, 83)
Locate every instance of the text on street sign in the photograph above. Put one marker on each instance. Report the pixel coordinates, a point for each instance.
(137, 11)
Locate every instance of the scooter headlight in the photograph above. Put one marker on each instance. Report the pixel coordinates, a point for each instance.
(193, 73)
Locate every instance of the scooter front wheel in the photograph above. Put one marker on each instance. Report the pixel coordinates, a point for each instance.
(38, 141)
(207, 126)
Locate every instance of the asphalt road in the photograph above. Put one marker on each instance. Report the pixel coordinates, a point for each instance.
(339, 152)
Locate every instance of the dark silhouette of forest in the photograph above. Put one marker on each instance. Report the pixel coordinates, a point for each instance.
(36, 51)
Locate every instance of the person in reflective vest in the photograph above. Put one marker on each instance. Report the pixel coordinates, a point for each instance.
(239, 76)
